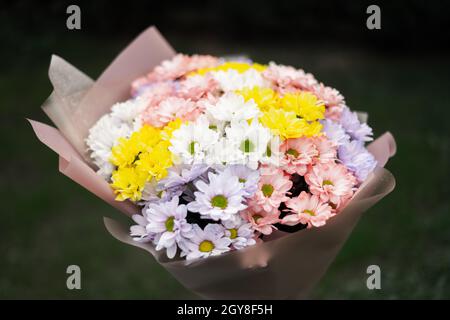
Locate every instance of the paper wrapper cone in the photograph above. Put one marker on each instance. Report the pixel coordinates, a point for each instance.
(284, 266)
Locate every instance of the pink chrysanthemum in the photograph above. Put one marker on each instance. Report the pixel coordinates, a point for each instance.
(331, 182)
(286, 78)
(272, 188)
(261, 221)
(326, 150)
(298, 155)
(180, 65)
(169, 110)
(197, 87)
(330, 96)
(334, 112)
(307, 209)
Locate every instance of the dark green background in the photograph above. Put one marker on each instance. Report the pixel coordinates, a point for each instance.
(399, 75)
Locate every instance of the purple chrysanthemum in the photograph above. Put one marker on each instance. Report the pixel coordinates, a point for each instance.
(357, 159)
(335, 132)
(354, 128)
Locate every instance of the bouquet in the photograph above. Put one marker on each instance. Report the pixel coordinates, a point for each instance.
(231, 170)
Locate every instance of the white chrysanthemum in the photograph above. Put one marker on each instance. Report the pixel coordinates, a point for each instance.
(191, 142)
(129, 110)
(273, 156)
(102, 137)
(231, 80)
(250, 140)
(233, 107)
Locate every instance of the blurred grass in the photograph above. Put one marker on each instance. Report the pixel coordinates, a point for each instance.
(48, 222)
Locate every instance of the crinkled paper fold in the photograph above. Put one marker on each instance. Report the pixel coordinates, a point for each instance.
(284, 266)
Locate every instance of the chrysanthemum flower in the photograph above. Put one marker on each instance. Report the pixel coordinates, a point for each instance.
(307, 209)
(128, 183)
(265, 98)
(181, 65)
(261, 221)
(355, 129)
(298, 155)
(286, 78)
(357, 159)
(326, 150)
(248, 177)
(240, 232)
(196, 87)
(286, 124)
(331, 182)
(233, 80)
(272, 188)
(168, 222)
(232, 107)
(192, 141)
(211, 241)
(220, 199)
(334, 132)
(303, 104)
(250, 141)
(169, 110)
(330, 96)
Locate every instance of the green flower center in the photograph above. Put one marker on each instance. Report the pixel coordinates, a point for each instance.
(192, 147)
(267, 190)
(170, 223)
(242, 180)
(213, 127)
(268, 152)
(247, 146)
(219, 201)
(256, 217)
(233, 233)
(327, 183)
(293, 153)
(206, 246)
(310, 212)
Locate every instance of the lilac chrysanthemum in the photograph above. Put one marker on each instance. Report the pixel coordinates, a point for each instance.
(181, 175)
(357, 130)
(357, 159)
(210, 241)
(248, 177)
(220, 199)
(335, 132)
(167, 221)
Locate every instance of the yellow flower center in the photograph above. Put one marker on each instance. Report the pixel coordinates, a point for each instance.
(242, 180)
(233, 233)
(170, 224)
(206, 246)
(327, 183)
(267, 190)
(310, 212)
(219, 201)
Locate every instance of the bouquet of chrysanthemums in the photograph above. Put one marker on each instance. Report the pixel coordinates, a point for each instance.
(219, 157)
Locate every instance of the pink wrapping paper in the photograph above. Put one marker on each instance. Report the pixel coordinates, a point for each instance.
(286, 266)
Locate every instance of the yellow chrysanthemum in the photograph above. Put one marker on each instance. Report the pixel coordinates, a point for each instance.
(303, 104)
(240, 67)
(142, 157)
(124, 153)
(265, 98)
(155, 162)
(128, 183)
(166, 132)
(287, 125)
